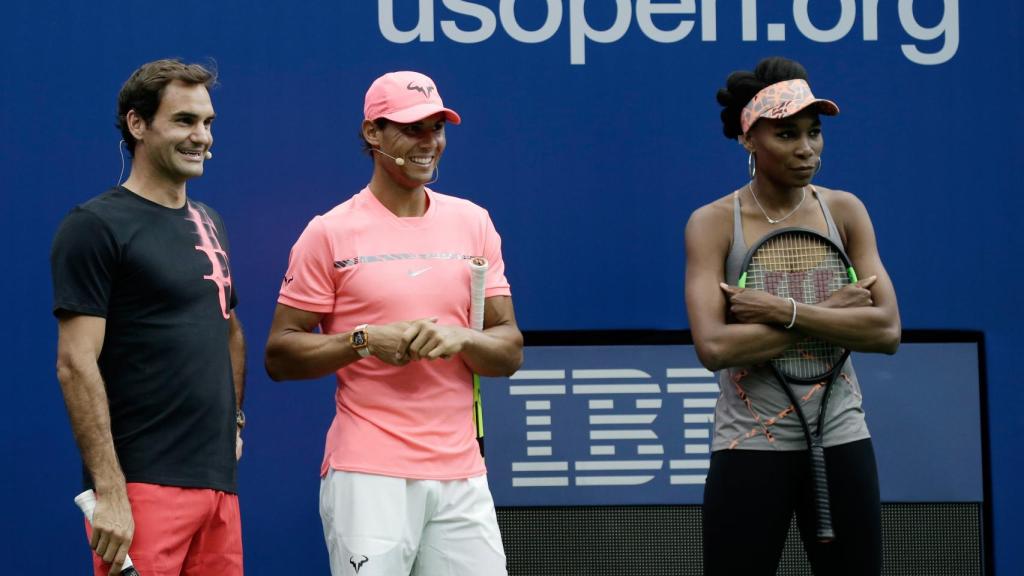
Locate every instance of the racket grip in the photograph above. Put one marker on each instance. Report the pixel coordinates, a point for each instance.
(478, 277)
(822, 506)
(86, 502)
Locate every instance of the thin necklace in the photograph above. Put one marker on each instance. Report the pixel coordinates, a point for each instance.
(771, 220)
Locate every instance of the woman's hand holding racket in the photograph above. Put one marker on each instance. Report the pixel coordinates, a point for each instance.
(855, 295)
(749, 306)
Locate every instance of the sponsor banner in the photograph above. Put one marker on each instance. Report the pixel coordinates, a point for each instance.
(588, 425)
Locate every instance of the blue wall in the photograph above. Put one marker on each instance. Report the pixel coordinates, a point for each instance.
(590, 170)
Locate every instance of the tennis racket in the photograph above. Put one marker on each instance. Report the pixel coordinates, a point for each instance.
(807, 267)
(478, 275)
(86, 502)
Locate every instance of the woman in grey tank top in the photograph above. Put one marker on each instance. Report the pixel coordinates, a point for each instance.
(759, 475)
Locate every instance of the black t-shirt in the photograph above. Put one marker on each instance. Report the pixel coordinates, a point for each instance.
(160, 277)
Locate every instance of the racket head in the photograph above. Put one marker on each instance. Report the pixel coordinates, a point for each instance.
(808, 267)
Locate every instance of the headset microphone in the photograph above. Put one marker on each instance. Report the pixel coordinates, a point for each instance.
(209, 154)
(399, 161)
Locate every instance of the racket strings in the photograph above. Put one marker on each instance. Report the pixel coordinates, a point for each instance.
(808, 270)
(800, 267)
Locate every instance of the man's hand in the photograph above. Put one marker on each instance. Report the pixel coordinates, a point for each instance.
(430, 341)
(387, 341)
(112, 529)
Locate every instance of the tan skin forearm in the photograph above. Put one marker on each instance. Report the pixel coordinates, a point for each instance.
(86, 399)
(856, 329)
(848, 318)
(236, 346)
(295, 352)
(497, 351)
(79, 342)
(746, 345)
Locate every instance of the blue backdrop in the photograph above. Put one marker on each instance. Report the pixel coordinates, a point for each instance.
(590, 132)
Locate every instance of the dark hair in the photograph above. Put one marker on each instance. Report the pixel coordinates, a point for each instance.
(144, 90)
(367, 148)
(741, 87)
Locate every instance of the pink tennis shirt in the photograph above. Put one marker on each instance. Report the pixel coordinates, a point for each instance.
(361, 264)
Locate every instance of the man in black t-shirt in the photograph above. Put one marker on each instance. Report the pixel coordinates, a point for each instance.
(150, 355)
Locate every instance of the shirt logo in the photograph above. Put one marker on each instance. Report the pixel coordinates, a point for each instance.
(209, 244)
(357, 564)
(415, 273)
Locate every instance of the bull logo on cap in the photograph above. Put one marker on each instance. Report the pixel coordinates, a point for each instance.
(425, 91)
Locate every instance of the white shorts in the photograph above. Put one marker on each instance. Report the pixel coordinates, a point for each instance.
(385, 526)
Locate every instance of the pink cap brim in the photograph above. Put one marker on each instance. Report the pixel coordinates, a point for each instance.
(421, 111)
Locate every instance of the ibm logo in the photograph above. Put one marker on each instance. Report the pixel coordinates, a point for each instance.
(622, 406)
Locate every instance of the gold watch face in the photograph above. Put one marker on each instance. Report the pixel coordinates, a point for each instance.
(359, 339)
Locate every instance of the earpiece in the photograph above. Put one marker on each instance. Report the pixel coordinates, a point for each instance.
(120, 152)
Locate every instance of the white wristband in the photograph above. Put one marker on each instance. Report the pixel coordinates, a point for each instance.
(792, 320)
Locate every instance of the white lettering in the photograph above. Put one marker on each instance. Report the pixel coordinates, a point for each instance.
(424, 30)
(677, 19)
(708, 20)
(644, 11)
(847, 16)
(544, 33)
(749, 20)
(948, 28)
(487, 22)
(870, 12)
(580, 30)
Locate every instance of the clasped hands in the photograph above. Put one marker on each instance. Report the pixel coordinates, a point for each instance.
(399, 343)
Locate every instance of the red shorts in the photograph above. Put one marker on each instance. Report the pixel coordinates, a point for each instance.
(182, 531)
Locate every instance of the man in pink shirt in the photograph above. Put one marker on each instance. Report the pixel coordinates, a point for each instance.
(386, 277)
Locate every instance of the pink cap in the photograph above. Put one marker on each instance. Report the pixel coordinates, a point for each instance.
(782, 100)
(405, 97)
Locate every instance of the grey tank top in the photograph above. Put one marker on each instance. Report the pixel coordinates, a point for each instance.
(747, 414)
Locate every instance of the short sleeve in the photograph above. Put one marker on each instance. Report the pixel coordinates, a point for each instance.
(308, 284)
(83, 262)
(497, 284)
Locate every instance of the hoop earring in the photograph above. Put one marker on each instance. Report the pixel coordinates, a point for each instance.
(818, 169)
(752, 165)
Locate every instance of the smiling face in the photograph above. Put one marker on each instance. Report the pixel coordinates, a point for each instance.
(420, 144)
(174, 144)
(787, 150)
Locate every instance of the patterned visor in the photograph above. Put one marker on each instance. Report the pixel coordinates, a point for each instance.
(782, 100)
